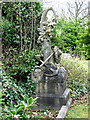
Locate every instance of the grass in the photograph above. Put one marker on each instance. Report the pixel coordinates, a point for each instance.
(77, 73)
(78, 111)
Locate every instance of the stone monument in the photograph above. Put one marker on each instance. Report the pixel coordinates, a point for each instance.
(51, 88)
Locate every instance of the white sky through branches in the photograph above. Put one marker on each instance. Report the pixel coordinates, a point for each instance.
(60, 6)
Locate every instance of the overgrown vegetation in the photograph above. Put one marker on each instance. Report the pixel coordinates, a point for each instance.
(77, 75)
(19, 40)
(22, 110)
(72, 36)
(20, 21)
(17, 75)
(77, 82)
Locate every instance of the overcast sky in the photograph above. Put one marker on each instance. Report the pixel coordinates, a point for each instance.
(58, 5)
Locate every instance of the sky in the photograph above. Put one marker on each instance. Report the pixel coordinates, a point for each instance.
(58, 5)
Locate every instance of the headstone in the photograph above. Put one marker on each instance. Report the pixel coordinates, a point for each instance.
(51, 88)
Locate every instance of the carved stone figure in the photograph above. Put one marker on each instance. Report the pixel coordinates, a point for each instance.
(50, 76)
(37, 75)
(58, 53)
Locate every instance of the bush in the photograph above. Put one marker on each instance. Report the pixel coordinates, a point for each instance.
(17, 17)
(77, 75)
(11, 91)
(72, 36)
(20, 64)
(22, 110)
(17, 72)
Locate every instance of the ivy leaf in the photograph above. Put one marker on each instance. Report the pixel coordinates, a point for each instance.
(35, 98)
(20, 108)
(13, 112)
(30, 100)
(29, 107)
(7, 111)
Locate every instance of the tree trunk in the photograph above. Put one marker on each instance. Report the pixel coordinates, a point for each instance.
(0, 30)
(11, 13)
(20, 26)
(25, 36)
(34, 26)
(31, 28)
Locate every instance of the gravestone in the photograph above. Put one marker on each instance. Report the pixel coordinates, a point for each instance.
(51, 88)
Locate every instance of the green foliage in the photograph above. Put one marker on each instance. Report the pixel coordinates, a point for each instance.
(19, 66)
(72, 35)
(18, 63)
(11, 91)
(77, 75)
(22, 110)
(78, 111)
(17, 23)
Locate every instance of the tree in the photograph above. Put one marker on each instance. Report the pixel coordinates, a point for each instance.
(78, 10)
(72, 35)
(0, 30)
(20, 23)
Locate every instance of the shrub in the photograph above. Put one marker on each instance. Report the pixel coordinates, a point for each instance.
(77, 74)
(19, 65)
(11, 91)
(17, 70)
(72, 35)
(22, 110)
(16, 17)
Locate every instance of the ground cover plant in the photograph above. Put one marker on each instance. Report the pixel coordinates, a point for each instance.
(19, 60)
(79, 108)
(24, 109)
(77, 82)
(16, 75)
(77, 75)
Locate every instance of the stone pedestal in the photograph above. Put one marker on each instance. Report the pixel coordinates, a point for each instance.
(52, 94)
(55, 101)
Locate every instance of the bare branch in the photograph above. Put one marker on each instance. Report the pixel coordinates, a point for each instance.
(79, 10)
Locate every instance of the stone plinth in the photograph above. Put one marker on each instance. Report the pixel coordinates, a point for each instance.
(53, 100)
(52, 93)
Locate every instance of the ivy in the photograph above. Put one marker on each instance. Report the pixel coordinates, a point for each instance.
(17, 23)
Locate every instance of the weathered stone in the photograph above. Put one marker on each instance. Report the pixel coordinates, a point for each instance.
(37, 75)
(58, 53)
(51, 89)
